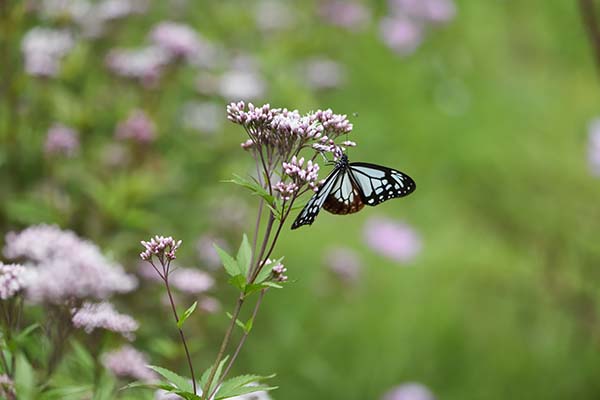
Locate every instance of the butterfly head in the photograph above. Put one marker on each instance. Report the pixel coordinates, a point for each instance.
(343, 161)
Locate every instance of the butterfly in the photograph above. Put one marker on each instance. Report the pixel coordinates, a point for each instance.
(351, 186)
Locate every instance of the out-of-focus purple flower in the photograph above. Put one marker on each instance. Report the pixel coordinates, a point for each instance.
(242, 84)
(346, 14)
(191, 281)
(207, 83)
(61, 140)
(205, 117)
(594, 146)
(127, 362)
(401, 34)
(147, 271)
(12, 280)
(160, 246)
(344, 263)
(209, 305)
(322, 73)
(409, 391)
(392, 239)
(103, 315)
(43, 50)
(62, 266)
(206, 252)
(138, 127)
(179, 40)
(253, 396)
(145, 64)
(429, 11)
(272, 15)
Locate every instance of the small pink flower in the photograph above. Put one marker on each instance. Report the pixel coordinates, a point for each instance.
(160, 246)
(401, 34)
(346, 14)
(395, 240)
(138, 127)
(12, 280)
(61, 140)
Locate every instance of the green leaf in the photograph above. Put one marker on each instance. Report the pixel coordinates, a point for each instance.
(230, 264)
(245, 390)
(254, 187)
(249, 324)
(244, 256)
(25, 379)
(179, 381)
(26, 332)
(265, 272)
(237, 322)
(104, 388)
(253, 288)
(238, 281)
(206, 374)
(272, 284)
(187, 395)
(230, 387)
(186, 314)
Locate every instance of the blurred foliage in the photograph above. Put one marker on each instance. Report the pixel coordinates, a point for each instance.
(488, 116)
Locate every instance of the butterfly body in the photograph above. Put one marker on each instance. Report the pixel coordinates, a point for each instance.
(351, 186)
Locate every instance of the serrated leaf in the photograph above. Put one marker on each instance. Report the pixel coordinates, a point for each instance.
(187, 395)
(239, 381)
(187, 314)
(206, 373)
(245, 390)
(229, 263)
(179, 381)
(244, 256)
(254, 187)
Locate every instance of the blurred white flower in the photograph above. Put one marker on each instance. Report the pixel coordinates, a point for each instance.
(145, 64)
(204, 117)
(91, 316)
(401, 34)
(191, 280)
(409, 391)
(323, 73)
(346, 14)
(242, 84)
(127, 362)
(392, 239)
(273, 15)
(43, 49)
(12, 280)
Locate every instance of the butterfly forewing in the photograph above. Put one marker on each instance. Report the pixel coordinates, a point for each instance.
(345, 196)
(378, 183)
(312, 208)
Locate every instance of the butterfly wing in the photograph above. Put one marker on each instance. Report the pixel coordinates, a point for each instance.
(378, 184)
(312, 208)
(345, 196)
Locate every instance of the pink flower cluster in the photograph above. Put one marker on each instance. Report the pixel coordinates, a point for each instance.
(62, 266)
(286, 190)
(12, 280)
(103, 315)
(302, 175)
(160, 246)
(127, 362)
(138, 127)
(278, 272)
(61, 140)
(179, 40)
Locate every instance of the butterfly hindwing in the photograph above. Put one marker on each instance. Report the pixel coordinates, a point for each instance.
(345, 196)
(378, 184)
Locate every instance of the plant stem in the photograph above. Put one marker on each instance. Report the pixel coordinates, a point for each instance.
(224, 343)
(241, 343)
(187, 352)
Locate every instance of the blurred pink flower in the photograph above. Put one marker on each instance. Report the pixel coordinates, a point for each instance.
(431, 11)
(323, 73)
(346, 14)
(179, 40)
(594, 146)
(12, 280)
(190, 280)
(145, 64)
(395, 240)
(138, 127)
(127, 362)
(103, 315)
(401, 34)
(344, 262)
(7, 387)
(62, 266)
(43, 49)
(61, 140)
(409, 391)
